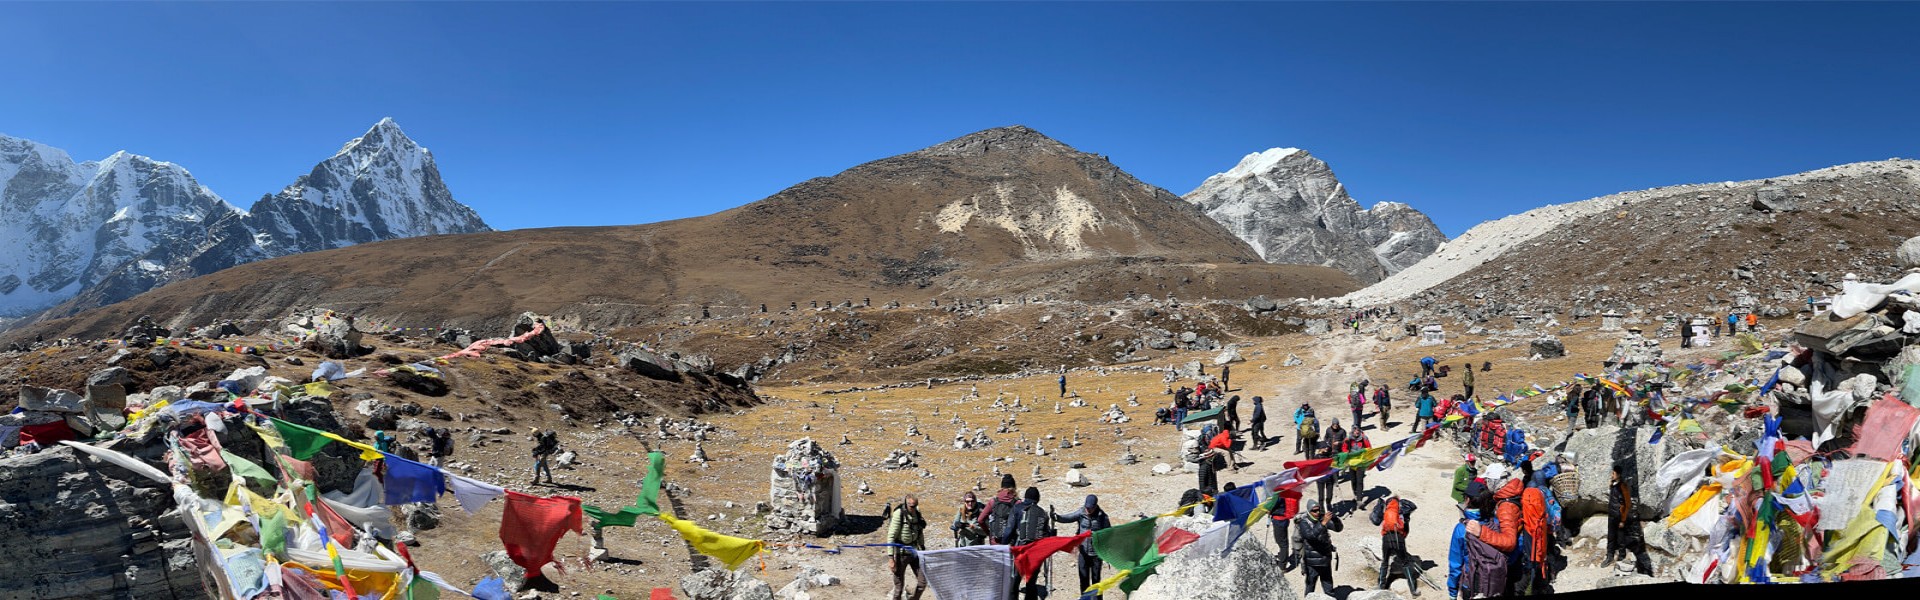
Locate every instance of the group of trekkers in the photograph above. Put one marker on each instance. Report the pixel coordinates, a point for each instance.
(1506, 539)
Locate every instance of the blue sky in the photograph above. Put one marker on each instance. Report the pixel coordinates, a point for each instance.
(554, 114)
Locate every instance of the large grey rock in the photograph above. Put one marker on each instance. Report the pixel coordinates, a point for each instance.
(1248, 570)
(1290, 208)
(337, 338)
(83, 528)
(1773, 199)
(647, 364)
(539, 346)
(721, 584)
(1318, 326)
(502, 566)
(1595, 451)
(47, 400)
(1261, 304)
(1908, 254)
(1228, 356)
(1547, 347)
(1160, 343)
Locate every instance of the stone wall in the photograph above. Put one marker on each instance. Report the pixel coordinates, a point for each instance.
(79, 528)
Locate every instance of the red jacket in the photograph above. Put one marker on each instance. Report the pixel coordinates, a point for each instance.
(1222, 440)
(1508, 514)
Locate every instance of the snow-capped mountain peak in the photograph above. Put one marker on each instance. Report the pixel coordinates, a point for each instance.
(1288, 205)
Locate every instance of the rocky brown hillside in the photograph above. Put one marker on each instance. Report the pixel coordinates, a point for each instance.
(1000, 214)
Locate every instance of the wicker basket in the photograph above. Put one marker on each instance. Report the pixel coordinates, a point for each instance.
(1566, 484)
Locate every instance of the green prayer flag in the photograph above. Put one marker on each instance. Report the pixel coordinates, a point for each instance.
(422, 589)
(302, 442)
(647, 504)
(246, 468)
(1124, 546)
(273, 534)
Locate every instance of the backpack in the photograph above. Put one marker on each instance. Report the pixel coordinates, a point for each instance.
(997, 520)
(1390, 521)
(1516, 444)
(1033, 526)
(1309, 428)
(1485, 574)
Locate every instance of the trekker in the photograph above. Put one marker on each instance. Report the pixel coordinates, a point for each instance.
(1029, 523)
(1330, 444)
(1462, 477)
(1063, 385)
(1426, 366)
(1466, 380)
(1623, 529)
(965, 531)
(907, 528)
(1226, 378)
(1090, 519)
(1457, 548)
(1357, 441)
(1591, 405)
(1753, 321)
(1258, 423)
(1233, 414)
(1574, 398)
(1356, 400)
(1284, 513)
(441, 445)
(1316, 545)
(1504, 533)
(1306, 430)
(1423, 411)
(1394, 516)
(1532, 579)
(383, 441)
(546, 444)
(998, 512)
(1381, 402)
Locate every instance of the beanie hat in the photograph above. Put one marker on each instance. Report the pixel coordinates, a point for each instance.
(1033, 494)
(1006, 481)
(1092, 501)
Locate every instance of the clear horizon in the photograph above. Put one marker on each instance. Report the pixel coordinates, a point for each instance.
(545, 115)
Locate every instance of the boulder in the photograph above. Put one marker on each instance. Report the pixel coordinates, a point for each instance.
(1160, 343)
(1262, 304)
(81, 526)
(647, 364)
(539, 346)
(1318, 326)
(162, 356)
(48, 400)
(1908, 254)
(1076, 478)
(1773, 199)
(423, 383)
(502, 566)
(1547, 347)
(716, 583)
(421, 516)
(1246, 570)
(1595, 451)
(336, 338)
(1228, 356)
(1292, 361)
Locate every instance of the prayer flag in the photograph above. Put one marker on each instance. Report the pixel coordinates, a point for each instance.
(532, 525)
(731, 551)
(1028, 558)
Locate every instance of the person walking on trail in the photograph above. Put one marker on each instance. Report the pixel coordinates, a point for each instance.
(1466, 380)
(1423, 411)
(966, 530)
(907, 528)
(1029, 523)
(1233, 414)
(1226, 378)
(1463, 477)
(545, 445)
(1426, 366)
(1381, 402)
(1306, 427)
(1287, 509)
(440, 446)
(1357, 441)
(1394, 516)
(1624, 537)
(1573, 401)
(1330, 445)
(1063, 385)
(1592, 406)
(1356, 400)
(1310, 535)
(1258, 423)
(1090, 518)
(998, 512)
(1753, 321)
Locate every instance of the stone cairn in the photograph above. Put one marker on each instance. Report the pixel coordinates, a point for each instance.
(805, 490)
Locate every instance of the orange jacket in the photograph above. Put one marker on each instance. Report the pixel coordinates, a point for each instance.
(1508, 514)
(1533, 508)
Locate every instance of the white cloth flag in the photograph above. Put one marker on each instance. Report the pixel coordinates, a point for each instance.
(969, 573)
(473, 495)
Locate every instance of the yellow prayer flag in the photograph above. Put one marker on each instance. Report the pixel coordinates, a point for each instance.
(730, 550)
(1101, 587)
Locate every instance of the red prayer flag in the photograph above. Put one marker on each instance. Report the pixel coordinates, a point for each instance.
(532, 525)
(1174, 539)
(1027, 559)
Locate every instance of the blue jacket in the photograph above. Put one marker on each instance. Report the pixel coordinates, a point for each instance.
(1457, 552)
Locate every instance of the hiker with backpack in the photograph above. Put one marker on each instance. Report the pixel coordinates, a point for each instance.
(966, 530)
(907, 528)
(1539, 519)
(1330, 445)
(1574, 398)
(1463, 476)
(546, 444)
(439, 446)
(1592, 406)
(998, 513)
(1394, 516)
(1457, 546)
(1284, 512)
(1029, 522)
(1090, 518)
(1426, 365)
(1466, 380)
(1233, 414)
(1356, 400)
(1503, 533)
(1306, 427)
(1310, 535)
(1381, 402)
(1356, 442)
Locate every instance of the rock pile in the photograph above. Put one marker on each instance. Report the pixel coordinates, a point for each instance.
(805, 490)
